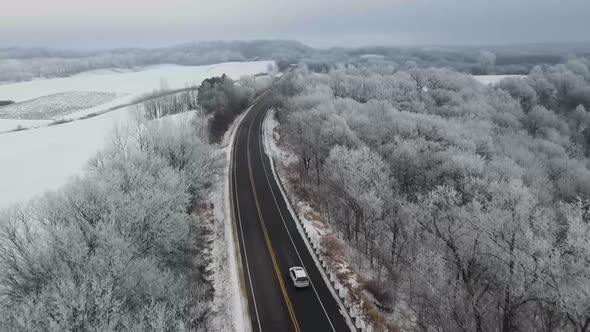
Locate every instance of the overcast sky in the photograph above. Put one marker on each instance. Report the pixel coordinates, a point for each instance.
(87, 24)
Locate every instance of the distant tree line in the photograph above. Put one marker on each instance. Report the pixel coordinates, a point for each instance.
(166, 102)
(220, 99)
(470, 202)
(6, 102)
(21, 64)
(17, 64)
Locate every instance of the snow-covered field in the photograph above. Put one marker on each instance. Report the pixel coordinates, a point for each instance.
(131, 83)
(15, 124)
(493, 79)
(37, 160)
(56, 105)
(33, 161)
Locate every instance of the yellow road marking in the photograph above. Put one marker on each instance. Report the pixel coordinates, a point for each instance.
(268, 243)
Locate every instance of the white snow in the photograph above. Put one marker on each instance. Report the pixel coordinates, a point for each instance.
(106, 71)
(494, 79)
(42, 159)
(372, 56)
(34, 161)
(12, 124)
(227, 282)
(131, 84)
(56, 106)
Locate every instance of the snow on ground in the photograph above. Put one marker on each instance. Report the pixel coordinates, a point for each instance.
(343, 261)
(372, 56)
(34, 161)
(56, 105)
(106, 71)
(16, 124)
(139, 82)
(230, 298)
(132, 84)
(494, 79)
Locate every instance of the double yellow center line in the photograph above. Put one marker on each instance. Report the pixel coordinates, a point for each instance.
(266, 237)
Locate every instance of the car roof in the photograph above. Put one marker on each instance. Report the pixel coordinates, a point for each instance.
(299, 272)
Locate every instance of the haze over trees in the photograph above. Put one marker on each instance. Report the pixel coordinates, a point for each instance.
(22, 64)
(470, 201)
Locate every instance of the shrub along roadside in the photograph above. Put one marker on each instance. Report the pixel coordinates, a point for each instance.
(225, 99)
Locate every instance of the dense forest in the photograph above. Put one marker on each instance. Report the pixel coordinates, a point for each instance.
(470, 201)
(119, 248)
(22, 64)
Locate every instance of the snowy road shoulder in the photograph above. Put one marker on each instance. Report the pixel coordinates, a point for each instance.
(230, 285)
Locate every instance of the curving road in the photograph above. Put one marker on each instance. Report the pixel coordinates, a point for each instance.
(270, 242)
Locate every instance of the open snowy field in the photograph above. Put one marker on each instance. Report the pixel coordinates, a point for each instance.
(137, 82)
(128, 84)
(33, 161)
(37, 160)
(493, 79)
(56, 105)
(15, 124)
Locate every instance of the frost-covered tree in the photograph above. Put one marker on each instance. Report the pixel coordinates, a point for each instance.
(361, 181)
(111, 250)
(487, 62)
(465, 199)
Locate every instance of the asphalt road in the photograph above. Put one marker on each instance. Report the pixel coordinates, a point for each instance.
(270, 243)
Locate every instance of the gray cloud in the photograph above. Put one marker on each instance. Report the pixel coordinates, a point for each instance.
(69, 23)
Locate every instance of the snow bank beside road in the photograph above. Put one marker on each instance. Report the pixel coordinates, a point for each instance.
(230, 296)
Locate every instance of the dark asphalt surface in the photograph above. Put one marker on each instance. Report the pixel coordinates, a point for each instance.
(270, 243)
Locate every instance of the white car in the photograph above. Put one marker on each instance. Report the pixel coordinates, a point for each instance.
(299, 277)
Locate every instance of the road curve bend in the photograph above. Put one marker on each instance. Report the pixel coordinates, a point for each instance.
(270, 242)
